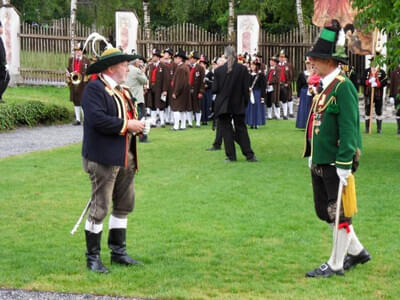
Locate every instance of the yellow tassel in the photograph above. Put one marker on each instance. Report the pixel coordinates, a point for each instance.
(349, 198)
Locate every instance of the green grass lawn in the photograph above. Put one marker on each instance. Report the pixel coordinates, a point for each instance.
(204, 229)
(51, 95)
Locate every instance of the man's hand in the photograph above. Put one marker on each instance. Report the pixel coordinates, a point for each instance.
(136, 126)
(391, 100)
(173, 96)
(343, 174)
(199, 95)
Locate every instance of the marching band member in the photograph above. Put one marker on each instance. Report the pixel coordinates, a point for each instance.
(158, 88)
(180, 91)
(373, 81)
(77, 67)
(196, 82)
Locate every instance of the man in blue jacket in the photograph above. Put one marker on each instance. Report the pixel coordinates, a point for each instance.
(109, 155)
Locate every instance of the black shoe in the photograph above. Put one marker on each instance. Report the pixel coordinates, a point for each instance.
(76, 123)
(252, 127)
(190, 126)
(197, 126)
(94, 264)
(153, 126)
(291, 116)
(125, 260)
(163, 126)
(324, 271)
(285, 118)
(204, 123)
(93, 241)
(173, 129)
(117, 244)
(228, 160)
(351, 261)
(213, 148)
(252, 159)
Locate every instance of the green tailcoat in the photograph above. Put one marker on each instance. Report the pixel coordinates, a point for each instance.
(336, 137)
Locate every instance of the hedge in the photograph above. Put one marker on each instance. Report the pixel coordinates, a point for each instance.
(31, 113)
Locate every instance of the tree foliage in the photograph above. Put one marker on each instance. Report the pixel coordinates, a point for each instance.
(212, 15)
(384, 15)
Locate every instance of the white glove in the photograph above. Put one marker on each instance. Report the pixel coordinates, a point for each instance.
(343, 174)
(6, 66)
(374, 84)
(391, 100)
(309, 161)
(214, 96)
(372, 80)
(147, 125)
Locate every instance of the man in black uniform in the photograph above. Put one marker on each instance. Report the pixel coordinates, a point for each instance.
(231, 85)
(374, 80)
(4, 75)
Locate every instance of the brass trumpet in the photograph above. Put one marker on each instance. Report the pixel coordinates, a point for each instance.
(75, 78)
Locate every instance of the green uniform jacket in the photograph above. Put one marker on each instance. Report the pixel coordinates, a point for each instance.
(336, 137)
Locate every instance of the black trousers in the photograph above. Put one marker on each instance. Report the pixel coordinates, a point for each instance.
(218, 135)
(377, 104)
(284, 93)
(325, 182)
(4, 80)
(238, 134)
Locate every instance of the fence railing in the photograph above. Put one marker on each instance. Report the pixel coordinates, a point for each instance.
(55, 39)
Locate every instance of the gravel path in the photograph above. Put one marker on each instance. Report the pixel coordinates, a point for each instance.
(24, 140)
(7, 294)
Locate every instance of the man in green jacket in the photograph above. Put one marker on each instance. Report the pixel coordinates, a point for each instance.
(333, 145)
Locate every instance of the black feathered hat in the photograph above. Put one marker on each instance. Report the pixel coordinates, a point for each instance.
(330, 44)
(110, 57)
(181, 53)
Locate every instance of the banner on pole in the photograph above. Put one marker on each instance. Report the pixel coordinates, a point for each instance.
(247, 34)
(357, 41)
(126, 27)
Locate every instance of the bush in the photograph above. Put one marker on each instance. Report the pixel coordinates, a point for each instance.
(31, 113)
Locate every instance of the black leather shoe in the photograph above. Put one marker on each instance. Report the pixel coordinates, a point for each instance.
(351, 261)
(291, 116)
(125, 260)
(213, 148)
(253, 159)
(94, 264)
(285, 118)
(324, 271)
(76, 123)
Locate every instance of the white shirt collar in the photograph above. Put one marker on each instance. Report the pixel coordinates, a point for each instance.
(110, 81)
(330, 77)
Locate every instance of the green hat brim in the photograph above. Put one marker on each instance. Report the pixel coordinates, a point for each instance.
(110, 60)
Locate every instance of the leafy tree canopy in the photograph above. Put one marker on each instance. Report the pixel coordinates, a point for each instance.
(212, 15)
(384, 15)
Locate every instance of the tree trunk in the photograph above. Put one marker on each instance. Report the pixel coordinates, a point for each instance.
(231, 20)
(299, 11)
(146, 17)
(72, 24)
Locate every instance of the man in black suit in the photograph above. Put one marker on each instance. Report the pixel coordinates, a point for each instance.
(4, 76)
(231, 85)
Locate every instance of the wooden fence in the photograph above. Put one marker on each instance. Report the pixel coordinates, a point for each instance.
(55, 39)
(51, 39)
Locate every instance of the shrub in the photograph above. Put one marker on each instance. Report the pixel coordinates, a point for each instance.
(31, 113)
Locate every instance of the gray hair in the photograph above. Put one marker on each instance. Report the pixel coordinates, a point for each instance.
(230, 55)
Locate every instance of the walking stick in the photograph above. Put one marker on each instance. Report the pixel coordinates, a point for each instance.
(81, 217)
(371, 105)
(336, 229)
